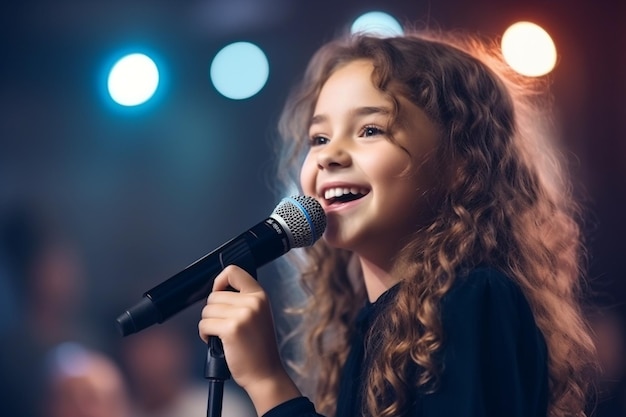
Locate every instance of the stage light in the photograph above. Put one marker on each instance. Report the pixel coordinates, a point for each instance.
(528, 49)
(133, 80)
(378, 24)
(239, 70)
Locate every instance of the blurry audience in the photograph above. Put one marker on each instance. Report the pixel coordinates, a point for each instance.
(53, 362)
(158, 362)
(45, 277)
(84, 383)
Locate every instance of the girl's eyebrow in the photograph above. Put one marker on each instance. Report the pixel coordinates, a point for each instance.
(358, 112)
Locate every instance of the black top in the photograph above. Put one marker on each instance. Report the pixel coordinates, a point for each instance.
(494, 356)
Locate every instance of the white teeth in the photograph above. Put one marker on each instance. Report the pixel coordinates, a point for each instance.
(338, 192)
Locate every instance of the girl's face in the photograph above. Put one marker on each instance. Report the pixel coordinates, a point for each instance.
(372, 190)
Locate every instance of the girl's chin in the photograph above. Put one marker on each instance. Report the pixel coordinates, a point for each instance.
(336, 241)
(333, 243)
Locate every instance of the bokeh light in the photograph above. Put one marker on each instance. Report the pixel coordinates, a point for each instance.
(528, 49)
(239, 70)
(377, 23)
(133, 80)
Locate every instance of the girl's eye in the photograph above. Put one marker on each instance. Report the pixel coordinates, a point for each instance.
(318, 140)
(371, 131)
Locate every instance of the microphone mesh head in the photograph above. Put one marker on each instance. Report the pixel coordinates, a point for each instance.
(303, 217)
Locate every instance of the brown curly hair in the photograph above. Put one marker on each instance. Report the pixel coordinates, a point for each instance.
(506, 203)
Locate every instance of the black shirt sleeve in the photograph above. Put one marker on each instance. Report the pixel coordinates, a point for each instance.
(494, 356)
(296, 407)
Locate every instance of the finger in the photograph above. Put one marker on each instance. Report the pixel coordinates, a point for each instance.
(221, 310)
(229, 298)
(236, 278)
(211, 327)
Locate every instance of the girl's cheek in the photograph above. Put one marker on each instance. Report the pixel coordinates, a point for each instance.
(307, 176)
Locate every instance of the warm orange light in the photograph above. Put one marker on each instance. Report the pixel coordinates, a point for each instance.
(528, 49)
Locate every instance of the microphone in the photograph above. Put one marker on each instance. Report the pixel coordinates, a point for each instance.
(296, 222)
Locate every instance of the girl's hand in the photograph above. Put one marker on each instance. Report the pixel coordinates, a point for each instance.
(243, 321)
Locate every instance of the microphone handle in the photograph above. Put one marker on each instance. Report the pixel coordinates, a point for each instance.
(252, 249)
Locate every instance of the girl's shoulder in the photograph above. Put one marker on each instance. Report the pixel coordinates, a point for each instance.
(486, 293)
(484, 281)
(493, 355)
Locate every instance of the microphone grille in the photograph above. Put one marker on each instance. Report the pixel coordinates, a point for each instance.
(304, 218)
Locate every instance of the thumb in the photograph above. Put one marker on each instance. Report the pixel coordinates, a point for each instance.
(234, 277)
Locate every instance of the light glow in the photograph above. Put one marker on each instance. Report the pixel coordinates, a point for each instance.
(528, 49)
(378, 24)
(133, 80)
(239, 70)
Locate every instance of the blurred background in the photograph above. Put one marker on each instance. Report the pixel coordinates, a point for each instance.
(100, 201)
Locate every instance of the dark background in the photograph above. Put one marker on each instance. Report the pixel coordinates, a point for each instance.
(144, 192)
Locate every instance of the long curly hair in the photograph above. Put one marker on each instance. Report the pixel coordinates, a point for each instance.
(506, 202)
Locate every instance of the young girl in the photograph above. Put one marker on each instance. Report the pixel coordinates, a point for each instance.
(447, 282)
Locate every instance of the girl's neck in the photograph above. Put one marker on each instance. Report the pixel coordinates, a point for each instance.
(377, 279)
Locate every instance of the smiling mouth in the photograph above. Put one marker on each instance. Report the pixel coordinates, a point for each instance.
(344, 195)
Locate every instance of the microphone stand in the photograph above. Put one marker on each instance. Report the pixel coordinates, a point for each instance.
(216, 369)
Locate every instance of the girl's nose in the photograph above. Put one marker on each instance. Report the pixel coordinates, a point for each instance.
(333, 156)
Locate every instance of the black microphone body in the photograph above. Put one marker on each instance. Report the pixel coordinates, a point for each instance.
(298, 221)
